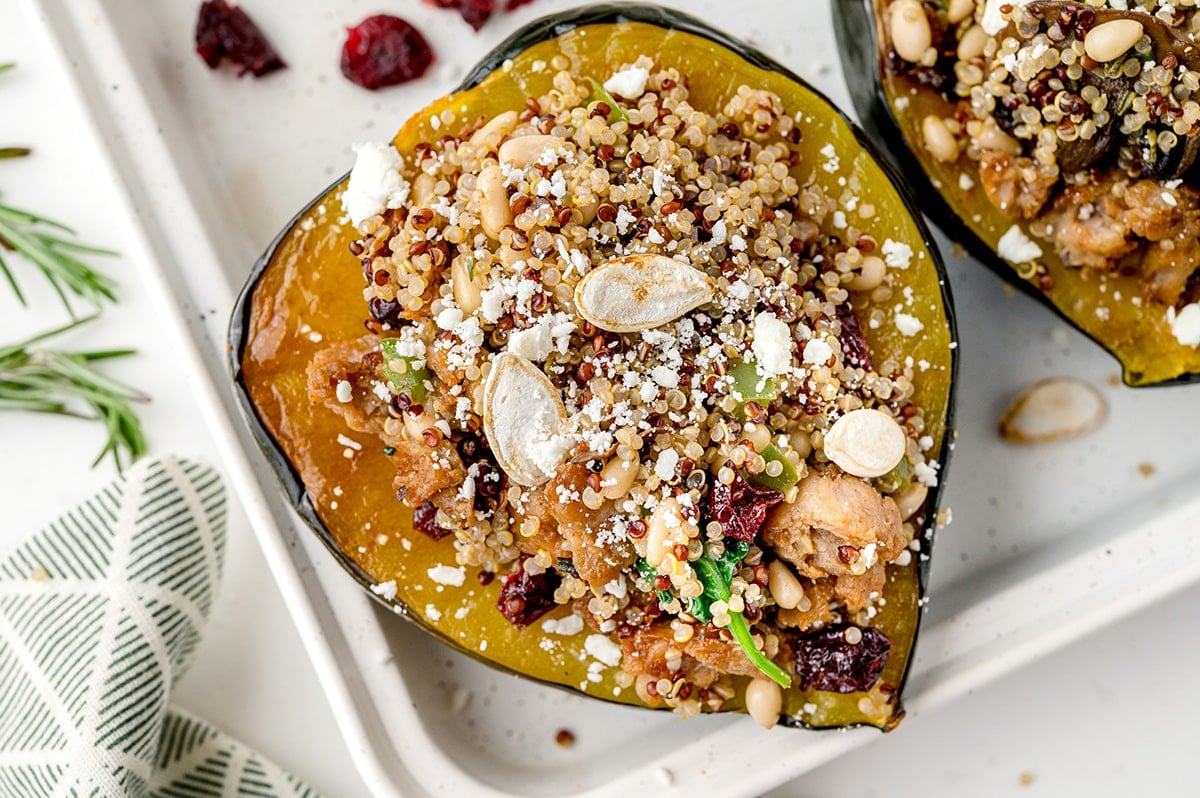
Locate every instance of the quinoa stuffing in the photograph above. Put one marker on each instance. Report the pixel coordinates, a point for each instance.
(615, 357)
(1080, 120)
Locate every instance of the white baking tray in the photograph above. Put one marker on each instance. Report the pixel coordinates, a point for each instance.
(1046, 544)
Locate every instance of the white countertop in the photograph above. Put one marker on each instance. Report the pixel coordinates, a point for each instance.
(1106, 717)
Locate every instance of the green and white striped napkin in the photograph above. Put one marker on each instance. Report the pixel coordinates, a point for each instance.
(100, 614)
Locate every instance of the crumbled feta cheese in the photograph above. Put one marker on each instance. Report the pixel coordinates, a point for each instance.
(772, 345)
(665, 466)
(926, 474)
(624, 220)
(832, 164)
(718, 233)
(603, 649)
(385, 590)
(448, 575)
(432, 612)
(1016, 247)
(629, 83)
(375, 182)
(533, 343)
(345, 391)
(817, 352)
(896, 254)
(908, 324)
(665, 376)
(548, 452)
(993, 21)
(449, 318)
(1185, 325)
(570, 625)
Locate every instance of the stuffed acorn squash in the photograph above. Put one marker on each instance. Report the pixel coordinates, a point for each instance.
(652, 399)
(1058, 143)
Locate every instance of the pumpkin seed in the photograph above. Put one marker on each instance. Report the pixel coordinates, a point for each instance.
(866, 443)
(640, 292)
(523, 419)
(1059, 407)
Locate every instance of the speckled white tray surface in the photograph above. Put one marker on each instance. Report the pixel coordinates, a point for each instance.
(1045, 544)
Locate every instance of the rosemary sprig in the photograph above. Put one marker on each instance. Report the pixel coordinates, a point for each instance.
(45, 380)
(41, 242)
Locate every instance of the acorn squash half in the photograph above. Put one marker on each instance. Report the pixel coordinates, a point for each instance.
(893, 98)
(307, 281)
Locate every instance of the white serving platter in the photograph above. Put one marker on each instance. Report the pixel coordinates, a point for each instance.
(1046, 544)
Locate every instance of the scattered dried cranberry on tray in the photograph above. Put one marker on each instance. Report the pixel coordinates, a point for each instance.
(476, 12)
(224, 31)
(383, 50)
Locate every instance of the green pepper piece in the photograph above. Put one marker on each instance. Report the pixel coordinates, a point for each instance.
(898, 479)
(748, 385)
(716, 576)
(786, 478)
(599, 93)
(409, 380)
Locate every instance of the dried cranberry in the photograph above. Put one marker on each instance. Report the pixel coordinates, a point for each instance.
(854, 344)
(385, 310)
(425, 520)
(474, 12)
(512, 5)
(383, 51)
(741, 507)
(225, 31)
(826, 661)
(526, 597)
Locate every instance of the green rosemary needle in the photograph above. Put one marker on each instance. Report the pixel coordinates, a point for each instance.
(41, 242)
(44, 380)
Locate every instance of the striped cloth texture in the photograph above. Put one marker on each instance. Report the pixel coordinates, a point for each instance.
(100, 615)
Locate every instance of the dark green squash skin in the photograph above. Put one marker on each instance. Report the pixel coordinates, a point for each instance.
(861, 57)
(540, 30)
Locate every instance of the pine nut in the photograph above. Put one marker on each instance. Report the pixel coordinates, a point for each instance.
(939, 140)
(785, 587)
(617, 478)
(415, 426)
(1110, 40)
(526, 150)
(911, 35)
(991, 137)
(871, 276)
(959, 10)
(422, 190)
(764, 701)
(496, 128)
(466, 289)
(665, 527)
(758, 434)
(494, 213)
(972, 43)
(911, 500)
